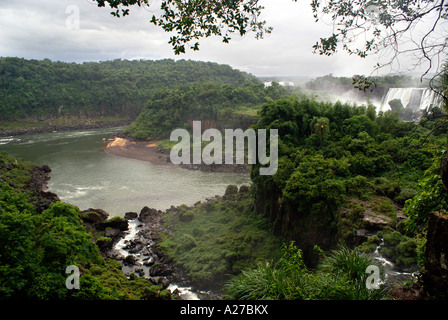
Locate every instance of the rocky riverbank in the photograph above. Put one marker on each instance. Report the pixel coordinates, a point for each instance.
(132, 241)
(37, 187)
(87, 125)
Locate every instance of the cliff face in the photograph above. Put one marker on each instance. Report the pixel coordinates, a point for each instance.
(435, 276)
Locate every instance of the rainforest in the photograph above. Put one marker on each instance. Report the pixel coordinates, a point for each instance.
(359, 184)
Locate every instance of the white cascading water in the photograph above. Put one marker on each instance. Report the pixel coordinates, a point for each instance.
(429, 99)
(416, 98)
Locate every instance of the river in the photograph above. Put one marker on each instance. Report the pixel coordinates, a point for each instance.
(85, 176)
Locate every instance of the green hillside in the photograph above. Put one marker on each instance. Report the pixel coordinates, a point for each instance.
(39, 89)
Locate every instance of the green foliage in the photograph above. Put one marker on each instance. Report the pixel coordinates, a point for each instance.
(402, 250)
(36, 89)
(192, 20)
(341, 276)
(215, 104)
(362, 157)
(231, 190)
(63, 239)
(37, 248)
(13, 171)
(360, 123)
(320, 126)
(431, 196)
(218, 238)
(382, 26)
(349, 262)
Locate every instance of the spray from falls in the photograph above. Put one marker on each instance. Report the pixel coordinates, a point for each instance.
(417, 99)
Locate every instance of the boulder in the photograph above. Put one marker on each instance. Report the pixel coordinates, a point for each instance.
(130, 260)
(163, 282)
(375, 220)
(231, 190)
(146, 214)
(160, 281)
(104, 243)
(115, 223)
(112, 232)
(362, 235)
(94, 215)
(139, 271)
(161, 269)
(130, 215)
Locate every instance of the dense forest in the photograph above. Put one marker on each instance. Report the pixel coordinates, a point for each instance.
(336, 156)
(342, 169)
(217, 105)
(348, 178)
(41, 89)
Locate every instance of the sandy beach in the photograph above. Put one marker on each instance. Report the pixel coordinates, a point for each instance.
(140, 150)
(149, 151)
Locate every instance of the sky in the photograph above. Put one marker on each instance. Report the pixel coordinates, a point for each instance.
(78, 31)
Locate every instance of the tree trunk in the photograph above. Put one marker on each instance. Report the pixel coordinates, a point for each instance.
(444, 169)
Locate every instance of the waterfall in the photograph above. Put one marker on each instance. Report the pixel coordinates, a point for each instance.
(415, 98)
(429, 99)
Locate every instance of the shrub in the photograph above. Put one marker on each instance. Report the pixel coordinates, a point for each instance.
(342, 275)
(231, 190)
(399, 248)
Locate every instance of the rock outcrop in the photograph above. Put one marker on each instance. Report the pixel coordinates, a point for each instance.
(94, 216)
(38, 188)
(435, 276)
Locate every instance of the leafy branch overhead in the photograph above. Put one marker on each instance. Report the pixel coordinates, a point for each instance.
(416, 28)
(393, 28)
(191, 20)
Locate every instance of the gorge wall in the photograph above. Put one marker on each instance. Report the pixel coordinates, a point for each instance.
(435, 276)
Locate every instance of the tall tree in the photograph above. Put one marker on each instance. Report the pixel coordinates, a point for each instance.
(320, 126)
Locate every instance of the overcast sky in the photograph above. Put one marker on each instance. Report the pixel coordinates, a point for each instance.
(39, 29)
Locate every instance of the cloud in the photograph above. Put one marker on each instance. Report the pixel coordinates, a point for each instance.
(41, 29)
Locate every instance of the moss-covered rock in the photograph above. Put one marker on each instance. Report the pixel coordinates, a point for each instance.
(104, 242)
(115, 223)
(94, 215)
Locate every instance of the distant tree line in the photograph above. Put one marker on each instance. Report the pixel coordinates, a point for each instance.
(43, 88)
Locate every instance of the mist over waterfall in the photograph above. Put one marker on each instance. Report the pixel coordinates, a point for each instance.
(416, 99)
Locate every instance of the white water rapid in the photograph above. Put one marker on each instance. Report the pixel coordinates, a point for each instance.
(143, 262)
(391, 273)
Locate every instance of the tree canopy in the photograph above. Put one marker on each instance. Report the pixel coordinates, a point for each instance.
(44, 88)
